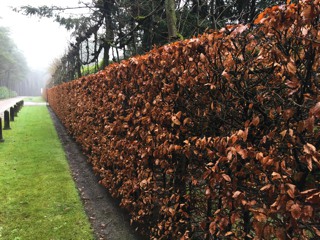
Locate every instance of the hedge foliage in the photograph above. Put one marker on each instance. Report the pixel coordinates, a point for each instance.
(215, 137)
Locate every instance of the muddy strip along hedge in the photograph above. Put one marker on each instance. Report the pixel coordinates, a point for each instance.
(215, 137)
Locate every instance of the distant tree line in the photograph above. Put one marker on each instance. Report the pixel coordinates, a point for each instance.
(13, 67)
(109, 31)
(15, 76)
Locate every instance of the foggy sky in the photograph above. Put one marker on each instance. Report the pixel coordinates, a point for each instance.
(40, 40)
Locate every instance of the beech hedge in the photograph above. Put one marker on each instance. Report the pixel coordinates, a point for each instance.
(215, 137)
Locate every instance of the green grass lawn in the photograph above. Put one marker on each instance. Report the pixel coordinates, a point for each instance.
(38, 198)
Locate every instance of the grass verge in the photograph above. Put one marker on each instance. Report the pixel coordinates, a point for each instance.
(38, 198)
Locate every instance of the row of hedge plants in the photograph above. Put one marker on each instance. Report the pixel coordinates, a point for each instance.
(215, 137)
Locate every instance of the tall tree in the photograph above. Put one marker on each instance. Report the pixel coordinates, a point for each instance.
(171, 20)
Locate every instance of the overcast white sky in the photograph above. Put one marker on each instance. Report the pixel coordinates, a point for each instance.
(40, 40)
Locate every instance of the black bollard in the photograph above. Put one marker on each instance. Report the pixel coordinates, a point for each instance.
(11, 114)
(15, 107)
(1, 137)
(6, 120)
(20, 104)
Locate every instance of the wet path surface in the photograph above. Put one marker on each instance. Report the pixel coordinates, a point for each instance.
(7, 103)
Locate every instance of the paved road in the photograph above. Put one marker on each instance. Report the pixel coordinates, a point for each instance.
(7, 103)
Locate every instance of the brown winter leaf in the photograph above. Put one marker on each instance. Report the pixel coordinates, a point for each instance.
(194, 182)
(307, 12)
(317, 231)
(245, 135)
(133, 60)
(211, 154)
(316, 109)
(266, 187)
(259, 156)
(235, 216)
(175, 120)
(187, 121)
(260, 18)
(292, 69)
(258, 228)
(289, 205)
(291, 193)
(295, 211)
(206, 174)
(260, 217)
(226, 75)
(240, 133)
(212, 227)
(283, 133)
(143, 183)
(309, 162)
(226, 177)
(308, 211)
(236, 194)
(309, 124)
(212, 106)
(275, 176)
(291, 190)
(256, 121)
(178, 115)
(242, 152)
(304, 31)
(281, 234)
(309, 192)
(288, 113)
(293, 83)
(291, 186)
(309, 148)
(314, 198)
(143, 67)
(172, 211)
(203, 58)
(149, 139)
(212, 87)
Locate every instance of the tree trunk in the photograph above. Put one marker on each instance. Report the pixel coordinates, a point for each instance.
(109, 36)
(149, 33)
(252, 10)
(171, 20)
(79, 63)
(133, 43)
